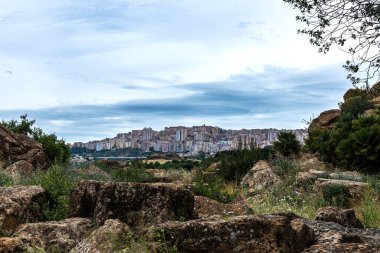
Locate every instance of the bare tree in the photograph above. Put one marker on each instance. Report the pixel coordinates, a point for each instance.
(353, 25)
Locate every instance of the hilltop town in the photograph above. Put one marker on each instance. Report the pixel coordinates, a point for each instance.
(190, 140)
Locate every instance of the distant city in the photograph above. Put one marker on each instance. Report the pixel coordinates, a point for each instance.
(189, 140)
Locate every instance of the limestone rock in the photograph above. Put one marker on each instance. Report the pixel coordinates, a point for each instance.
(345, 217)
(18, 147)
(356, 189)
(260, 177)
(309, 162)
(136, 204)
(250, 234)
(333, 237)
(376, 101)
(55, 235)
(347, 175)
(305, 179)
(205, 207)
(370, 112)
(108, 238)
(13, 245)
(325, 120)
(350, 93)
(20, 167)
(20, 204)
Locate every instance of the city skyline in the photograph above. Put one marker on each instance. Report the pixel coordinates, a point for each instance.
(83, 69)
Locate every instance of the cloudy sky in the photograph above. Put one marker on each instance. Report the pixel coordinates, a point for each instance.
(92, 68)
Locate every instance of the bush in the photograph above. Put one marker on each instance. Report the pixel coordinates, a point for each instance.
(58, 183)
(336, 195)
(287, 144)
(354, 142)
(215, 188)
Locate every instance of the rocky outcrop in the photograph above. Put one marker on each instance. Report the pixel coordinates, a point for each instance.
(136, 204)
(13, 245)
(55, 236)
(353, 92)
(355, 189)
(250, 234)
(18, 147)
(333, 237)
(325, 120)
(109, 238)
(344, 217)
(260, 177)
(20, 204)
(205, 207)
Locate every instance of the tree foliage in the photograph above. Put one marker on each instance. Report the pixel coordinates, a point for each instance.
(55, 149)
(352, 25)
(287, 144)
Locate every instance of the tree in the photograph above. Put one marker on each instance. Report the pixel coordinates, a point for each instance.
(55, 149)
(353, 25)
(287, 144)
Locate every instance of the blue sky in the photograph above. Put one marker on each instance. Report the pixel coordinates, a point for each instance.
(90, 69)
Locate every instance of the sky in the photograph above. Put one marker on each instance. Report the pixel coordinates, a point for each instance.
(90, 69)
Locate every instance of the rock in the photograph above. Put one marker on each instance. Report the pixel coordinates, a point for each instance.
(309, 162)
(112, 164)
(376, 101)
(159, 175)
(250, 234)
(54, 236)
(347, 175)
(374, 91)
(20, 167)
(136, 204)
(356, 189)
(260, 177)
(325, 120)
(205, 207)
(18, 147)
(20, 204)
(213, 167)
(370, 112)
(353, 93)
(13, 245)
(333, 237)
(109, 238)
(344, 217)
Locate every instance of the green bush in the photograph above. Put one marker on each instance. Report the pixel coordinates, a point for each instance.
(354, 142)
(214, 188)
(58, 183)
(287, 144)
(336, 195)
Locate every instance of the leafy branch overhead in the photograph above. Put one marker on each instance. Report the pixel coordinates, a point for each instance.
(352, 25)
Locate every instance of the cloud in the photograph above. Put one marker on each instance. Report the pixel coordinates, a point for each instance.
(277, 97)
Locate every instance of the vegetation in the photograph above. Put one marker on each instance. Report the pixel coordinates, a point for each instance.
(352, 25)
(287, 144)
(55, 149)
(354, 142)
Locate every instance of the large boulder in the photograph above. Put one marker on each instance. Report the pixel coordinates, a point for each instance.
(19, 147)
(250, 234)
(109, 238)
(333, 237)
(55, 236)
(204, 207)
(345, 217)
(260, 177)
(20, 204)
(355, 189)
(136, 204)
(353, 92)
(325, 120)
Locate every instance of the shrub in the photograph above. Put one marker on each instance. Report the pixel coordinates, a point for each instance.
(370, 211)
(336, 195)
(215, 188)
(58, 183)
(287, 144)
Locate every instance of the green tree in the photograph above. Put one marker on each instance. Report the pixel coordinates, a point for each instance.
(352, 25)
(287, 144)
(55, 149)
